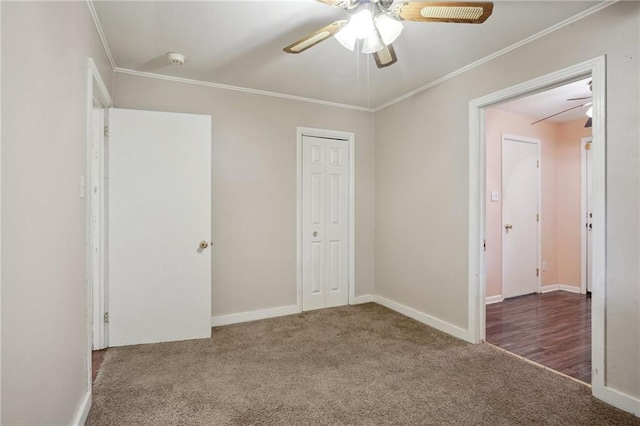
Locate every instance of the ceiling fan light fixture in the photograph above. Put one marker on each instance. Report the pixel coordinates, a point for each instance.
(346, 37)
(388, 28)
(362, 23)
(373, 43)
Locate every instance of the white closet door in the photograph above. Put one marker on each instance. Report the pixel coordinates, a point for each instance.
(159, 227)
(325, 222)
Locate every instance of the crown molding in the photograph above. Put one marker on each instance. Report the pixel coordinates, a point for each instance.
(553, 28)
(239, 89)
(103, 39)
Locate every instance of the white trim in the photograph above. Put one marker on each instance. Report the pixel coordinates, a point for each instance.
(598, 237)
(618, 399)
(96, 282)
(350, 138)
(507, 49)
(365, 298)
(103, 39)
(583, 214)
(476, 269)
(98, 86)
(494, 299)
(253, 315)
(505, 138)
(83, 410)
(240, 89)
(1, 211)
(429, 320)
(557, 287)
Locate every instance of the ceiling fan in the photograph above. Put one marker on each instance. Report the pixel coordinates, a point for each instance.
(589, 111)
(377, 23)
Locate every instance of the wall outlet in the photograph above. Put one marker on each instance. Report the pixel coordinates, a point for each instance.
(495, 196)
(544, 265)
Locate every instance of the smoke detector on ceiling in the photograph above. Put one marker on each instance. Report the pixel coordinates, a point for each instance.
(175, 58)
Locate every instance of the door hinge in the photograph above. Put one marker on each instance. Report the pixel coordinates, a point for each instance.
(537, 217)
(484, 245)
(537, 272)
(537, 164)
(106, 317)
(106, 131)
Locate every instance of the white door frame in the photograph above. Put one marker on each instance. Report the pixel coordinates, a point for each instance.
(583, 213)
(96, 208)
(507, 137)
(596, 68)
(328, 134)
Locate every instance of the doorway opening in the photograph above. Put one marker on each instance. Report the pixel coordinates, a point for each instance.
(564, 185)
(326, 226)
(537, 306)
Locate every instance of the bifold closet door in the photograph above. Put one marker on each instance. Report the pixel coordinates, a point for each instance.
(325, 222)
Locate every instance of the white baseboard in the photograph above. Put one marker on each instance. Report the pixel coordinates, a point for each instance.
(556, 287)
(569, 288)
(618, 399)
(494, 299)
(365, 298)
(436, 323)
(253, 315)
(83, 410)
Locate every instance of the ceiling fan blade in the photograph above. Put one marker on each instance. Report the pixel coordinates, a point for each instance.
(579, 99)
(444, 11)
(385, 57)
(314, 38)
(561, 112)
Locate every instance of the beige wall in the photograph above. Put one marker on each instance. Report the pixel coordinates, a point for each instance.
(422, 188)
(560, 195)
(45, 48)
(254, 185)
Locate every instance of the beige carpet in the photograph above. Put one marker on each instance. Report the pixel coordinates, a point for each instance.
(361, 365)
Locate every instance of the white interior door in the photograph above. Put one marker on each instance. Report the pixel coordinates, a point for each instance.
(520, 215)
(159, 213)
(325, 222)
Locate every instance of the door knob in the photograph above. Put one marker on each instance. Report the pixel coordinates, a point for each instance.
(315, 233)
(204, 244)
(508, 227)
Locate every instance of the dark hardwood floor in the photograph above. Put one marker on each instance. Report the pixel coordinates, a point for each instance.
(96, 361)
(552, 329)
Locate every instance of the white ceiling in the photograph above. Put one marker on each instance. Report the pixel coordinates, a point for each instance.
(553, 101)
(239, 43)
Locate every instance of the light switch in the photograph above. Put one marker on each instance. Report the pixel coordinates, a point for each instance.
(495, 196)
(544, 265)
